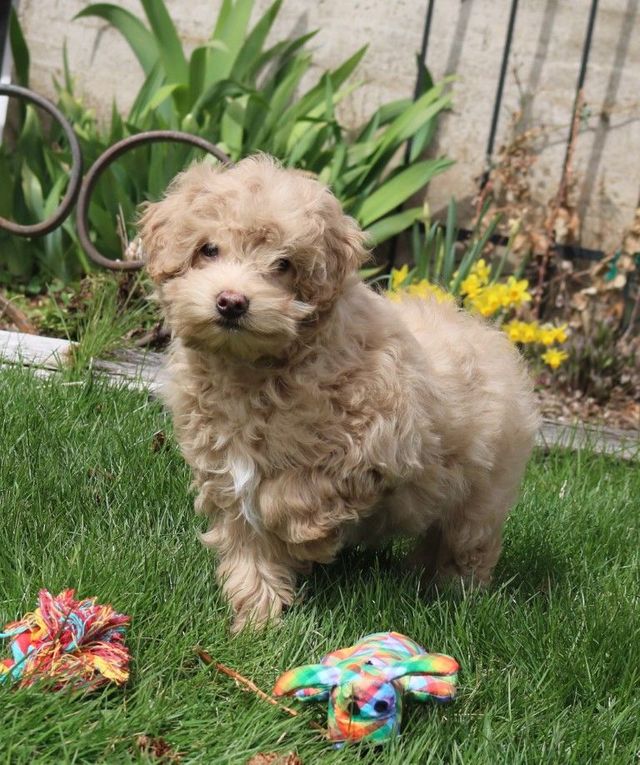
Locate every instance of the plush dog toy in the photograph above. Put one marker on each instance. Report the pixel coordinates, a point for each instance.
(366, 684)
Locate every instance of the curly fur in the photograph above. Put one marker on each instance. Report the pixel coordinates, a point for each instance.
(330, 415)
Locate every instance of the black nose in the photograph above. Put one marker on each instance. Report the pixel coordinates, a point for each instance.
(231, 305)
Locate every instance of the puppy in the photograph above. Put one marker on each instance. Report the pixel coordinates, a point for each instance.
(315, 413)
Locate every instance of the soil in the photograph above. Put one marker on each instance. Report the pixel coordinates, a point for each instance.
(621, 411)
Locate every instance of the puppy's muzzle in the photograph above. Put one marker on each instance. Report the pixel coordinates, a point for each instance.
(232, 305)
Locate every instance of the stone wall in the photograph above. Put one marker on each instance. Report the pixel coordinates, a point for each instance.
(467, 39)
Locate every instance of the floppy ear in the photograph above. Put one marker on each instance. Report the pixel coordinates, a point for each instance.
(154, 226)
(346, 240)
(423, 664)
(308, 676)
(165, 227)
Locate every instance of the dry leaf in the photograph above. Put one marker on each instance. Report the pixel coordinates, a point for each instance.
(275, 758)
(158, 441)
(159, 749)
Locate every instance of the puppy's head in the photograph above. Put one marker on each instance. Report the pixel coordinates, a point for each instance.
(246, 257)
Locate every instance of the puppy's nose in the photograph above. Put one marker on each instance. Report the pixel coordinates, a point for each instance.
(231, 305)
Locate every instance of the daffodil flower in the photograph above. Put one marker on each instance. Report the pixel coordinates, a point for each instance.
(554, 357)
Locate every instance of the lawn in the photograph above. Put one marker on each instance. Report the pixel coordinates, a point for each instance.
(92, 499)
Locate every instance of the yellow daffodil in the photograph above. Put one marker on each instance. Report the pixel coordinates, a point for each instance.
(513, 329)
(471, 286)
(561, 333)
(425, 289)
(489, 300)
(515, 293)
(530, 332)
(398, 276)
(547, 334)
(554, 357)
(481, 270)
(522, 331)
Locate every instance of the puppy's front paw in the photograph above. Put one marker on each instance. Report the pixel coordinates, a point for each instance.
(257, 616)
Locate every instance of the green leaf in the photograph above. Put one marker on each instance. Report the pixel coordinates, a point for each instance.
(438, 255)
(145, 94)
(451, 235)
(197, 68)
(6, 191)
(140, 39)
(383, 115)
(316, 95)
(411, 120)
(277, 116)
(281, 51)
(167, 40)
(422, 138)
(221, 89)
(116, 130)
(303, 146)
(369, 273)
(251, 49)
(32, 190)
(497, 268)
(231, 29)
(53, 197)
(474, 252)
(399, 188)
(232, 124)
(159, 97)
(391, 225)
(19, 50)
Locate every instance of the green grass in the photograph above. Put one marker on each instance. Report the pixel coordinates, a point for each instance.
(550, 656)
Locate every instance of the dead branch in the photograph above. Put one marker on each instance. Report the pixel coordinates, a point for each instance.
(558, 202)
(16, 316)
(250, 685)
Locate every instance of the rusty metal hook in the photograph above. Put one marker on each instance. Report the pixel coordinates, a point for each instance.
(103, 161)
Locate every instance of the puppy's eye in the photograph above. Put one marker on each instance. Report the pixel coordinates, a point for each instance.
(381, 706)
(283, 265)
(209, 251)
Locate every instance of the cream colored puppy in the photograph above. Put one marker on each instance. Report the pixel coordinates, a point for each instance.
(315, 413)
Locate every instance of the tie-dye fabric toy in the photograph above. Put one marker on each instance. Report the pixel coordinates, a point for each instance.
(366, 684)
(76, 643)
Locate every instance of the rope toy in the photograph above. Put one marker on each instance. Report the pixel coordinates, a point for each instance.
(366, 684)
(74, 643)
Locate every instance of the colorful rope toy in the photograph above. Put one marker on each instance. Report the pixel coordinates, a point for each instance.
(76, 643)
(365, 685)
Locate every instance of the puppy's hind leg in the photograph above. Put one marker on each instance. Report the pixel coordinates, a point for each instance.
(466, 542)
(256, 575)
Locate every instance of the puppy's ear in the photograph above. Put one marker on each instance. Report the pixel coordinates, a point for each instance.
(343, 246)
(164, 226)
(346, 242)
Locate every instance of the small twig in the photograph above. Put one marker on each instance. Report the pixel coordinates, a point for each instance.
(250, 685)
(16, 316)
(632, 319)
(158, 334)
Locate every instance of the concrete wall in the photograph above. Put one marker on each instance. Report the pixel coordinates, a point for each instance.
(467, 38)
